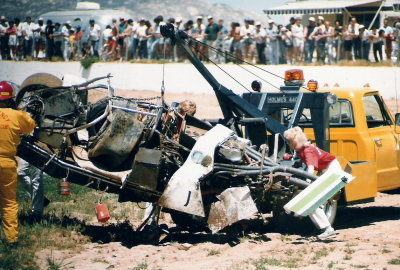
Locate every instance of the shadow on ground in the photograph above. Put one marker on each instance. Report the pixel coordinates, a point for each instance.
(351, 217)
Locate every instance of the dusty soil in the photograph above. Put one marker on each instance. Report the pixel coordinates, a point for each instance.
(368, 237)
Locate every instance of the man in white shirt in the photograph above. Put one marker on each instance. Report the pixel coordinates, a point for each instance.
(354, 32)
(365, 42)
(94, 37)
(66, 42)
(260, 38)
(27, 31)
(298, 39)
(39, 37)
(3, 38)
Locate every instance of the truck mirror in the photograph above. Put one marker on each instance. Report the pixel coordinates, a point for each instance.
(397, 119)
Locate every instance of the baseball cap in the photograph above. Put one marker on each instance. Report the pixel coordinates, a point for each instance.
(210, 17)
(311, 19)
(41, 19)
(361, 26)
(270, 21)
(179, 19)
(68, 22)
(199, 17)
(321, 18)
(283, 29)
(257, 23)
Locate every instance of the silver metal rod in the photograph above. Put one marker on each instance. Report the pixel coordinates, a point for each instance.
(134, 111)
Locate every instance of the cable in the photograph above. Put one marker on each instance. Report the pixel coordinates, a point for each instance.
(243, 61)
(188, 43)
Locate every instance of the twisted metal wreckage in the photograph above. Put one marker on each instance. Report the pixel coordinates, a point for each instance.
(201, 172)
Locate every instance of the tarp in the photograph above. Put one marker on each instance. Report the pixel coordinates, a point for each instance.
(319, 7)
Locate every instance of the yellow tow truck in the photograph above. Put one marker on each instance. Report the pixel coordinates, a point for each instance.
(365, 136)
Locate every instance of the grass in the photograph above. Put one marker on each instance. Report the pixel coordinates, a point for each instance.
(213, 252)
(395, 261)
(141, 266)
(61, 226)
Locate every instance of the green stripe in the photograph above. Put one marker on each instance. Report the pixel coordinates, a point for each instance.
(316, 190)
(323, 199)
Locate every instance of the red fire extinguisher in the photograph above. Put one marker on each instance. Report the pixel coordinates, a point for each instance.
(102, 212)
(64, 188)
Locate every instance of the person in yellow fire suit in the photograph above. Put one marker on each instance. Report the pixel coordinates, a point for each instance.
(13, 123)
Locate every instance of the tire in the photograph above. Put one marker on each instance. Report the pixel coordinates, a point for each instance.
(38, 81)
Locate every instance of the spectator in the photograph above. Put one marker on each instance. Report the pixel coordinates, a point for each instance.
(198, 33)
(66, 45)
(260, 37)
(298, 39)
(27, 31)
(337, 43)
(143, 36)
(320, 39)
(94, 37)
(78, 43)
(353, 29)
(281, 46)
(309, 41)
(237, 36)
(120, 37)
(248, 41)
(155, 50)
(347, 43)
(211, 32)
(329, 45)
(388, 39)
(377, 38)
(291, 22)
(365, 43)
(20, 39)
(4, 49)
(12, 40)
(58, 38)
(49, 30)
(39, 38)
(288, 39)
(127, 38)
(272, 32)
(223, 42)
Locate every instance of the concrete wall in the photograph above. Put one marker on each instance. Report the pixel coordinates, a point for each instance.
(181, 78)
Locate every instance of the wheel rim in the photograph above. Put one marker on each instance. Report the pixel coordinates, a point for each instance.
(330, 210)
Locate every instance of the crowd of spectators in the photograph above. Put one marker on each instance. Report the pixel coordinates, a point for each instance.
(125, 39)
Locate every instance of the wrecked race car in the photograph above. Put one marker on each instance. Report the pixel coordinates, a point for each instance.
(205, 173)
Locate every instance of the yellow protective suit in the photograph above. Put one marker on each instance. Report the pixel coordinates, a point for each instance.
(13, 123)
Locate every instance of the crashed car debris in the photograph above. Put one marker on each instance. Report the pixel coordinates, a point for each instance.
(144, 150)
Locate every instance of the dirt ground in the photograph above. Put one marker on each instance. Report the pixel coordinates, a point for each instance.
(368, 238)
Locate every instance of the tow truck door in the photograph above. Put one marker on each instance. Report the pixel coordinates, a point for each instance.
(384, 140)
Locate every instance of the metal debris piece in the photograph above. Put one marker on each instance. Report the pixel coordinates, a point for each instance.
(234, 204)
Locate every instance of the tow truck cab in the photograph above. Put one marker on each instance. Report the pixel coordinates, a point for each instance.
(363, 132)
(358, 129)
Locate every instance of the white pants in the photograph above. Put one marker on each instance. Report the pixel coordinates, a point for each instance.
(31, 179)
(318, 217)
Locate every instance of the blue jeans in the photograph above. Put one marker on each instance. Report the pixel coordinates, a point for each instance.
(31, 179)
(309, 48)
(365, 48)
(95, 47)
(135, 45)
(28, 45)
(274, 52)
